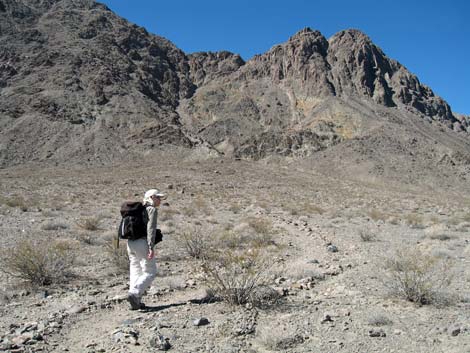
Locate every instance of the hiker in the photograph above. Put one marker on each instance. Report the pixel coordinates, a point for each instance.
(143, 266)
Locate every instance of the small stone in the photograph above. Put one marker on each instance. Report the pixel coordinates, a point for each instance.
(326, 318)
(160, 342)
(201, 322)
(377, 333)
(332, 248)
(454, 331)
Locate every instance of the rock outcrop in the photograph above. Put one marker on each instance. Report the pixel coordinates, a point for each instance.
(77, 82)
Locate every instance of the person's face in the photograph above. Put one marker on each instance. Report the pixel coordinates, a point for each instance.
(156, 200)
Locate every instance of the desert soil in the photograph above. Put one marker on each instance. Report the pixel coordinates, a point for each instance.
(330, 236)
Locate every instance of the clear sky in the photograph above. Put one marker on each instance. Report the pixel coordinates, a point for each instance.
(429, 37)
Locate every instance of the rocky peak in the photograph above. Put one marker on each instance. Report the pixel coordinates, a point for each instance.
(206, 66)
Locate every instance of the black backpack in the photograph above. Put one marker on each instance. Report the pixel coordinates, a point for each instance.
(133, 225)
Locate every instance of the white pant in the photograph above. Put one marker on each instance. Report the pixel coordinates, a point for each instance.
(142, 271)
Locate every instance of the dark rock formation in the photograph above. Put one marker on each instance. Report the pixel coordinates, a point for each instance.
(79, 83)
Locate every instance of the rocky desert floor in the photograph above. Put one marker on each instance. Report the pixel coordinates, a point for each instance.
(328, 241)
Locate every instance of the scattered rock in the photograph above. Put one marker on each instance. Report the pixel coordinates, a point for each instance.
(454, 331)
(332, 248)
(160, 342)
(201, 322)
(326, 318)
(377, 333)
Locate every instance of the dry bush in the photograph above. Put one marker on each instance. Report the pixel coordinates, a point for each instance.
(440, 236)
(166, 214)
(378, 319)
(414, 220)
(118, 255)
(377, 215)
(418, 277)
(200, 204)
(239, 278)
(15, 201)
(90, 223)
(86, 238)
(278, 337)
(54, 226)
(40, 263)
(366, 235)
(304, 209)
(195, 241)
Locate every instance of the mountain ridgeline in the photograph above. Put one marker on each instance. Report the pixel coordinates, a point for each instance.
(79, 83)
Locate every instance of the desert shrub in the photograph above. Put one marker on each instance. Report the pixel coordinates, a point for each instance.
(366, 235)
(54, 226)
(239, 278)
(40, 263)
(278, 337)
(417, 277)
(15, 201)
(377, 215)
(118, 256)
(166, 214)
(378, 319)
(195, 241)
(440, 236)
(90, 223)
(414, 220)
(305, 208)
(86, 238)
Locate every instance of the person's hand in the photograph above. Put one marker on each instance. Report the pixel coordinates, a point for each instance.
(150, 255)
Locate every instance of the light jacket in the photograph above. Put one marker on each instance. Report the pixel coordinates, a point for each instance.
(151, 214)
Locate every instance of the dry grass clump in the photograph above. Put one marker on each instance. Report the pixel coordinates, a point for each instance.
(118, 255)
(15, 201)
(240, 277)
(166, 214)
(278, 337)
(440, 236)
(378, 319)
(366, 235)
(37, 262)
(54, 226)
(195, 241)
(414, 220)
(418, 277)
(305, 209)
(90, 223)
(377, 215)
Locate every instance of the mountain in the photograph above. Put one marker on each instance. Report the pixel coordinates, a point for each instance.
(79, 83)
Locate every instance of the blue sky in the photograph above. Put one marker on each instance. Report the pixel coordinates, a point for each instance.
(431, 38)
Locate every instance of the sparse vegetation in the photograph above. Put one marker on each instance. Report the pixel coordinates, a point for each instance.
(118, 256)
(39, 263)
(417, 277)
(239, 277)
(194, 241)
(378, 319)
(90, 223)
(366, 235)
(54, 226)
(15, 201)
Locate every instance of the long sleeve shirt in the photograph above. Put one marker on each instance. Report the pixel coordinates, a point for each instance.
(152, 214)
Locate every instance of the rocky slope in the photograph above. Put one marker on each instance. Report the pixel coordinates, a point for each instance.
(79, 83)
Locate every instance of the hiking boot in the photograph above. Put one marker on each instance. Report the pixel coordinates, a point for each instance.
(134, 301)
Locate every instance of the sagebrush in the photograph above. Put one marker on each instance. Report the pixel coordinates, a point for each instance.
(39, 262)
(418, 277)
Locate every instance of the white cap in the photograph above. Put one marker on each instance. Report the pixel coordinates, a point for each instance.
(150, 193)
